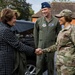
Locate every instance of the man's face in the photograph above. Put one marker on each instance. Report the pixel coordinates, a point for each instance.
(13, 21)
(46, 12)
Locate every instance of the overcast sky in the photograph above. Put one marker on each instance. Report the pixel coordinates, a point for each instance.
(36, 4)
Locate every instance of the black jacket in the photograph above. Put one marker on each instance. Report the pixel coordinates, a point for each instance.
(8, 44)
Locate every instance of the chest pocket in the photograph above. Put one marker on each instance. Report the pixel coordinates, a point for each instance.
(43, 27)
(64, 37)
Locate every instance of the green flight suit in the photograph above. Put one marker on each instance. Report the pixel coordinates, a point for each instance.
(45, 34)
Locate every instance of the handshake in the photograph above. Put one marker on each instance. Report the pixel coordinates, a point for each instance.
(39, 51)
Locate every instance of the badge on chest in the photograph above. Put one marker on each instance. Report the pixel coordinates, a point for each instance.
(44, 25)
(51, 24)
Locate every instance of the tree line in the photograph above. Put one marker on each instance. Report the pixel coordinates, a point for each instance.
(21, 6)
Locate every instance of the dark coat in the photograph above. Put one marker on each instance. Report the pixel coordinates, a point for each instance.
(8, 44)
(20, 63)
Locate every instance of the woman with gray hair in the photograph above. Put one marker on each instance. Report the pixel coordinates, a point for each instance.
(65, 45)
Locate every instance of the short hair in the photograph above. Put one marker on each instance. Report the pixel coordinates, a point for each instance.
(7, 15)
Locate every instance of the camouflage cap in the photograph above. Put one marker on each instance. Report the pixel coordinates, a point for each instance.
(65, 12)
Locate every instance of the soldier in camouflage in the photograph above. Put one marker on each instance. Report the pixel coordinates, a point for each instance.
(65, 45)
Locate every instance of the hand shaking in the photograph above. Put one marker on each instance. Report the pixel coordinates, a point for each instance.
(38, 51)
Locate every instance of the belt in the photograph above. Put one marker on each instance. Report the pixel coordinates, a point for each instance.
(63, 47)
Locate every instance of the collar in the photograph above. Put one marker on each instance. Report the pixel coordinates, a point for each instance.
(6, 24)
(50, 19)
(66, 28)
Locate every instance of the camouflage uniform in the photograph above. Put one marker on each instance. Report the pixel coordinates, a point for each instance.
(65, 47)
